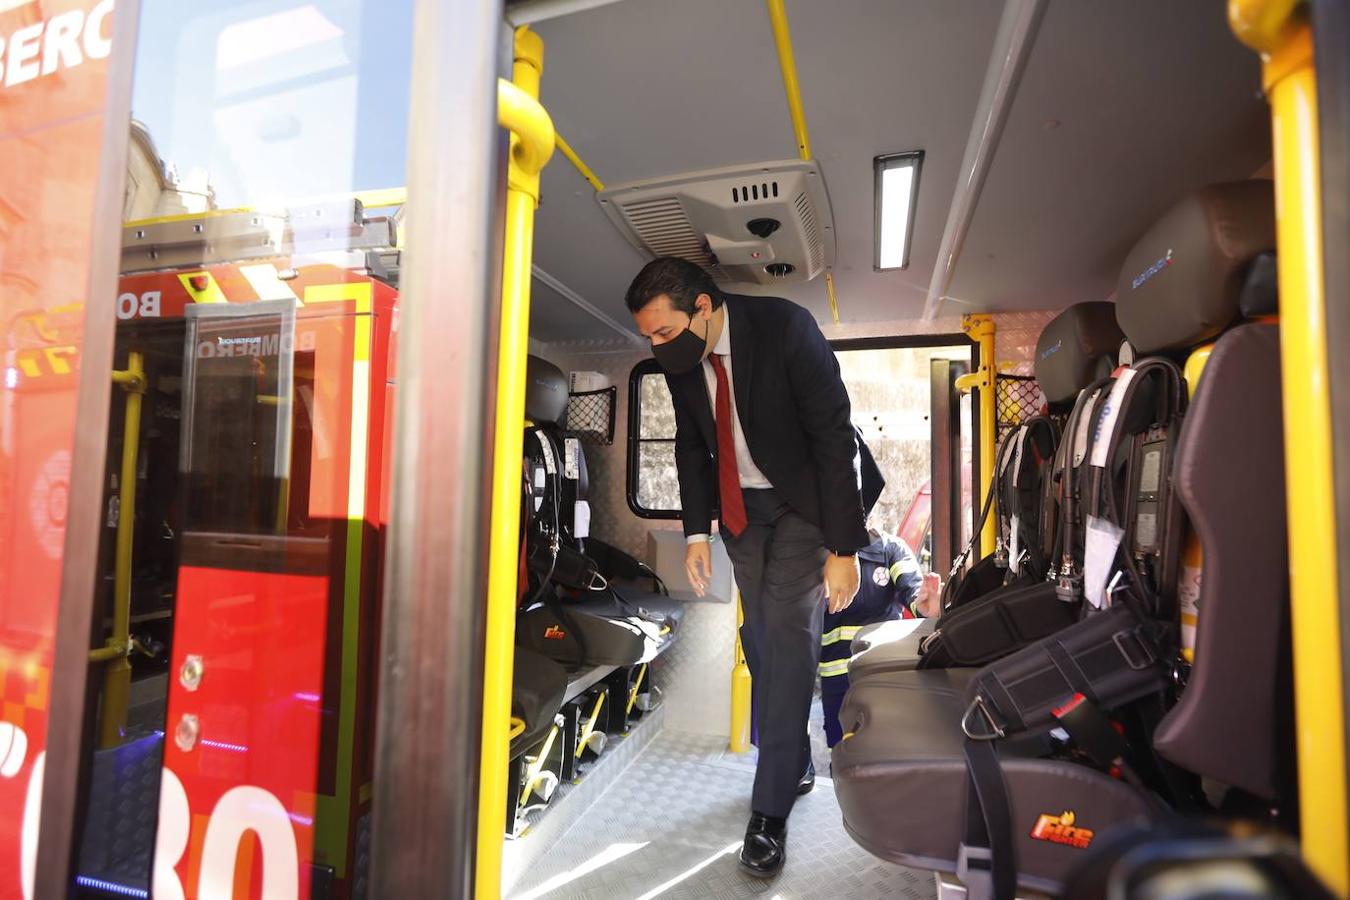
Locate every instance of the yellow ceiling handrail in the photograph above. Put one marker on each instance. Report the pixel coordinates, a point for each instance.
(787, 61)
(580, 166)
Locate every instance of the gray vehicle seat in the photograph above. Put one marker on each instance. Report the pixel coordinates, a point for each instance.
(900, 776)
(1240, 685)
(900, 773)
(1076, 348)
(572, 614)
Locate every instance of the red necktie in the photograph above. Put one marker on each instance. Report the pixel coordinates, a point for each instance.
(728, 476)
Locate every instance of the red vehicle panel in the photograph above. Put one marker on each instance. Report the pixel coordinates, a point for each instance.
(50, 132)
(286, 408)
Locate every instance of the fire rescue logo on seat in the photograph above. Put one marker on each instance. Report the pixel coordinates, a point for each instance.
(554, 633)
(1061, 829)
(881, 576)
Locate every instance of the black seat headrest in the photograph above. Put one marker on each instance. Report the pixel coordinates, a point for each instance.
(545, 392)
(1260, 288)
(1077, 347)
(1182, 284)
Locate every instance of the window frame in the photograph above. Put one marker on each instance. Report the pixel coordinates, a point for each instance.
(891, 342)
(634, 450)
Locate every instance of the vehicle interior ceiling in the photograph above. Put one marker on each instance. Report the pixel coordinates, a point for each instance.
(1120, 111)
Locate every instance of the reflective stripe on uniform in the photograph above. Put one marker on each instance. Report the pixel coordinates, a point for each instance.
(833, 668)
(907, 566)
(842, 633)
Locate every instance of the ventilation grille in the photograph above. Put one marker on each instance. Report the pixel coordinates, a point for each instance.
(748, 193)
(812, 231)
(662, 225)
(714, 219)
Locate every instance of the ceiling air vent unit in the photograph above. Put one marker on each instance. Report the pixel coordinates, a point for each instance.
(763, 224)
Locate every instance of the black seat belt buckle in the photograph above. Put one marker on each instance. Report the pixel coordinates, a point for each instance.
(1094, 733)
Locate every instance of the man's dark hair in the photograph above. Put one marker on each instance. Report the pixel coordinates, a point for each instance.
(679, 279)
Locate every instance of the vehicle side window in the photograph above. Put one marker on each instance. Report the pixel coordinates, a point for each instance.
(653, 486)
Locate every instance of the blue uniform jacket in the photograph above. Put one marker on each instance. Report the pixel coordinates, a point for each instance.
(890, 582)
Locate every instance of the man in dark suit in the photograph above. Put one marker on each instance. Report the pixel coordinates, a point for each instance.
(764, 440)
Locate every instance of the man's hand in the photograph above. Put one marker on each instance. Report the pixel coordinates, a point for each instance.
(929, 600)
(841, 581)
(698, 556)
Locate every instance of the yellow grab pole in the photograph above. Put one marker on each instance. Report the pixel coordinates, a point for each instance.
(740, 690)
(532, 139)
(580, 166)
(117, 671)
(834, 300)
(787, 61)
(1284, 40)
(981, 330)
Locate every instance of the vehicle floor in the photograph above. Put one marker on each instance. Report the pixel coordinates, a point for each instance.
(671, 827)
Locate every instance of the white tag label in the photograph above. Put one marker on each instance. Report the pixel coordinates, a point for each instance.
(1080, 435)
(550, 463)
(538, 492)
(1099, 554)
(581, 520)
(1015, 546)
(571, 458)
(1017, 458)
(1106, 423)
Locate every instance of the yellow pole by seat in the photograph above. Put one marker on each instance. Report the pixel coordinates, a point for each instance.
(981, 330)
(1281, 34)
(532, 142)
(740, 689)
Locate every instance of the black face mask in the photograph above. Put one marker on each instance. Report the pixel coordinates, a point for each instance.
(683, 352)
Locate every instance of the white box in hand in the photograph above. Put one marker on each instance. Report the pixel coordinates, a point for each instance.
(665, 550)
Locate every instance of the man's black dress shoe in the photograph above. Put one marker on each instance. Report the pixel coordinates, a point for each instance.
(765, 846)
(808, 780)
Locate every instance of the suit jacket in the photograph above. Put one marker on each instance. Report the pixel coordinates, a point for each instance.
(795, 413)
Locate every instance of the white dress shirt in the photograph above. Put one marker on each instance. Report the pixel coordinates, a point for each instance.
(751, 476)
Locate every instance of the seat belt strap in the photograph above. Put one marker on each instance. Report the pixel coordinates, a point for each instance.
(987, 863)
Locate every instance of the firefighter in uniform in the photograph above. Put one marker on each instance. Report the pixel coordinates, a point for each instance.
(891, 584)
